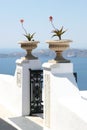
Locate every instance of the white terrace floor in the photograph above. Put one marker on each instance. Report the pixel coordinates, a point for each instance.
(8, 121)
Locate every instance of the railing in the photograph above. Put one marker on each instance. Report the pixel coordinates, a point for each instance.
(36, 85)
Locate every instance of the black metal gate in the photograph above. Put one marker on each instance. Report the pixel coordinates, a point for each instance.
(36, 86)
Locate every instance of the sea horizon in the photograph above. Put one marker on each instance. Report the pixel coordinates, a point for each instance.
(79, 63)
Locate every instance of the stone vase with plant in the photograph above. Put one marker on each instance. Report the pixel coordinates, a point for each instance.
(59, 44)
(28, 44)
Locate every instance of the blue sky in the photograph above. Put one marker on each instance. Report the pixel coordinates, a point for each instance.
(70, 14)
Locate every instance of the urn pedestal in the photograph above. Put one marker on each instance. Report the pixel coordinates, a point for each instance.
(59, 46)
(29, 46)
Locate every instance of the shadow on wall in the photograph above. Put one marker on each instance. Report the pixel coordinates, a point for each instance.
(71, 77)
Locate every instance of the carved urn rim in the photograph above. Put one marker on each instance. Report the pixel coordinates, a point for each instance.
(28, 45)
(63, 41)
(28, 42)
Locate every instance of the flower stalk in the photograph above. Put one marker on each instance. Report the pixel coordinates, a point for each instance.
(57, 32)
(22, 21)
(27, 35)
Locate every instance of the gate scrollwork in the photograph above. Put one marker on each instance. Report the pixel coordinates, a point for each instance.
(36, 85)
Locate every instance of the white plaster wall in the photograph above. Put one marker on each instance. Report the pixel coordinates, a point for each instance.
(23, 67)
(64, 86)
(10, 93)
(46, 86)
(66, 109)
(58, 67)
(68, 117)
(15, 90)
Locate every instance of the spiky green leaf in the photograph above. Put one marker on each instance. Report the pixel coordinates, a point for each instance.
(29, 36)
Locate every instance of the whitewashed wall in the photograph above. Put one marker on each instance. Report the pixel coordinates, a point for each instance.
(64, 108)
(22, 76)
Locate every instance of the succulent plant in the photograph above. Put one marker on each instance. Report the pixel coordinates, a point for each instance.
(57, 32)
(27, 35)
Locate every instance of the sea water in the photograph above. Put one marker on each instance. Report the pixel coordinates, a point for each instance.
(8, 66)
(80, 67)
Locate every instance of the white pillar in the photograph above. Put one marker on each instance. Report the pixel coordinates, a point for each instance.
(22, 76)
(59, 82)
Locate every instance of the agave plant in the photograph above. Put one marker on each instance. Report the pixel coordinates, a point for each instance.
(57, 32)
(27, 35)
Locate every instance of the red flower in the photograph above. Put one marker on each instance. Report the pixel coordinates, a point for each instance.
(27, 35)
(51, 18)
(57, 32)
(21, 20)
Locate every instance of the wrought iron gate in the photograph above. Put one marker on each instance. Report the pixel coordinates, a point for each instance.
(36, 86)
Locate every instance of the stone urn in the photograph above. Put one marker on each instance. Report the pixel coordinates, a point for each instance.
(29, 46)
(59, 46)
